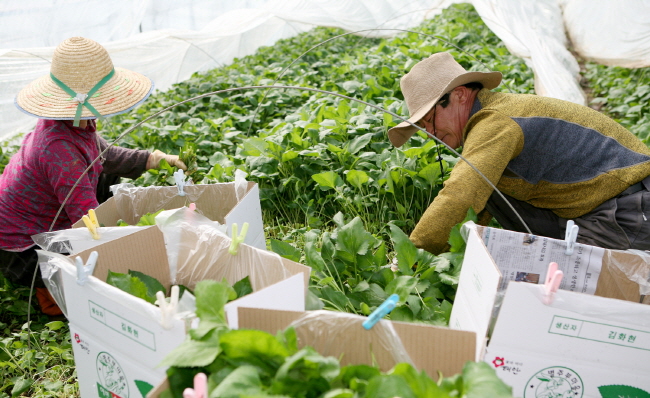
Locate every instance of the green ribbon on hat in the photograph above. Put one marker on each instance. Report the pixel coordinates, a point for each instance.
(81, 98)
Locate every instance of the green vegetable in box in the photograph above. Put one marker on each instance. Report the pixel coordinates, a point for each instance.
(258, 364)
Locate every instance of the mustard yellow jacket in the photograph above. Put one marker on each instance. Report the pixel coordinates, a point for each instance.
(550, 153)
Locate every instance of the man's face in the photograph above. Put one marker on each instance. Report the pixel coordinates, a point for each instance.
(445, 123)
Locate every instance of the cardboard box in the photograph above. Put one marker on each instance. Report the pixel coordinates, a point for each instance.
(485, 274)
(218, 202)
(436, 350)
(577, 346)
(431, 348)
(118, 339)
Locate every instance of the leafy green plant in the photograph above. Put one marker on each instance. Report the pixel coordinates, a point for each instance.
(352, 271)
(314, 154)
(143, 286)
(623, 94)
(35, 361)
(145, 220)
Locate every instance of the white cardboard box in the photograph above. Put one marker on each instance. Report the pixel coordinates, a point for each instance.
(118, 340)
(481, 279)
(218, 202)
(577, 346)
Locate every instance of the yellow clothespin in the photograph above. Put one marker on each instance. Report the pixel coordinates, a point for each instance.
(90, 221)
(237, 239)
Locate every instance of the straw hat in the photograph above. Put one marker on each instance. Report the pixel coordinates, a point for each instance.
(82, 66)
(429, 80)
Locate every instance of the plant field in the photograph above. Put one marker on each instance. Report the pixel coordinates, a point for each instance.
(335, 194)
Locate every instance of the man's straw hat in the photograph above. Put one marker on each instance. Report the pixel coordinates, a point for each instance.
(429, 80)
(82, 68)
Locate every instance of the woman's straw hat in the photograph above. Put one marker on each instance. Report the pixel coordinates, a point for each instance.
(82, 68)
(429, 80)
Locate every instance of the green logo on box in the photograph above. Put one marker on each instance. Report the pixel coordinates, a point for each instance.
(112, 380)
(554, 382)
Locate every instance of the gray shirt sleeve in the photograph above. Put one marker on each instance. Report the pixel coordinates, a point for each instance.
(124, 162)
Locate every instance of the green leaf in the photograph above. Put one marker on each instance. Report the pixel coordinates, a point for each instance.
(244, 380)
(148, 219)
(253, 347)
(211, 297)
(357, 178)
(285, 249)
(152, 284)
(55, 325)
(354, 239)
(402, 285)
(431, 173)
(481, 381)
(389, 386)
(328, 179)
(406, 250)
(337, 299)
(617, 391)
(306, 370)
(21, 385)
(456, 240)
(340, 393)
(420, 383)
(54, 385)
(402, 314)
(359, 143)
(313, 258)
(243, 287)
(129, 284)
(351, 86)
(326, 281)
(192, 353)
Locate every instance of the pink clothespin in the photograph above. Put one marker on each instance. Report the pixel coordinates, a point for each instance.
(552, 283)
(192, 206)
(200, 389)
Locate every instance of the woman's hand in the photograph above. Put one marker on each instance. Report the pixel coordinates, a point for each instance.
(156, 156)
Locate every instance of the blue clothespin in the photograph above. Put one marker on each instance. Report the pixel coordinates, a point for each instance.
(179, 177)
(83, 271)
(381, 311)
(570, 236)
(237, 239)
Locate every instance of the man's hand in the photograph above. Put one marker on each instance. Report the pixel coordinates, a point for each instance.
(156, 156)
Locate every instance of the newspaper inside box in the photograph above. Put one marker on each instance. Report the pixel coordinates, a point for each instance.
(494, 257)
(225, 203)
(118, 339)
(578, 345)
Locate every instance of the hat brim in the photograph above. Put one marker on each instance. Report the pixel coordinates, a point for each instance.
(401, 133)
(44, 99)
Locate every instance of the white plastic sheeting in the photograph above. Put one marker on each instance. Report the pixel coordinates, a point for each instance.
(534, 30)
(614, 33)
(168, 40)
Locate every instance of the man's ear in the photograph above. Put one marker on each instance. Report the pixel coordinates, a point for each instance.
(462, 93)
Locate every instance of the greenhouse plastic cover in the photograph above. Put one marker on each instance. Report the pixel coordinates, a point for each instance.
(169, 40)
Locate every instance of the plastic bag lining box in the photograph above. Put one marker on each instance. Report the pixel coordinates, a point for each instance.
(430, 348)
(118, 339)
(480, 281)
(218, 202)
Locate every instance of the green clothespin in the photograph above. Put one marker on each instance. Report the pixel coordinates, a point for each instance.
(237, 238)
